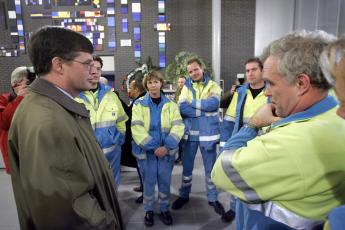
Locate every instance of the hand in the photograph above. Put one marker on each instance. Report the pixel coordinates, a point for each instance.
(20, 88)
(233, 89)
(161, 151)
(264, 116)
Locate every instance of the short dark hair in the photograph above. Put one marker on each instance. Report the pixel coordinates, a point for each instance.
(138, 81)
(50, 42)
(197, 60)
(99, 59)
(257, 60)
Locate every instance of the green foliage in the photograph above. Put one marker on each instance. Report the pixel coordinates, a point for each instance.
(179, 66)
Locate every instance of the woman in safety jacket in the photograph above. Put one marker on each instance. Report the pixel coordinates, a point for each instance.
(157, 128)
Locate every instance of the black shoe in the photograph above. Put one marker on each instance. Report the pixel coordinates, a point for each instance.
(179, 203)
(138, 189)
(229, 216)
(166, 218)
(178, 161)
(149, 218)
(139, 200)
(218, 207)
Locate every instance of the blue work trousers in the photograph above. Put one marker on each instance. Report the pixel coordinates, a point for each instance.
(209, 157)
(114, 158)
(156, 170)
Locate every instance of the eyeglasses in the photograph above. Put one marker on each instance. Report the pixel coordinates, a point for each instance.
(89, 64)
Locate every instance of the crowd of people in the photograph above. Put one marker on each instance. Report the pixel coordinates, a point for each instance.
(65, 134)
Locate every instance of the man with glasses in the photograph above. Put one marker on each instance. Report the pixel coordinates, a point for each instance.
(108, 119)
(60, 177)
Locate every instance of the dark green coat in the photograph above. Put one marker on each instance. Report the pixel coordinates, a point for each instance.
(60, 177)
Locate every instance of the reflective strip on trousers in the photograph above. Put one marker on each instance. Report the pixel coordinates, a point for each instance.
(186, 181)
(284, 216)
(209, 138)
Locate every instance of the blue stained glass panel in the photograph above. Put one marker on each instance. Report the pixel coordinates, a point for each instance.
(161, 18)
(124, 9)
(136, 17)
(111, 21)
(124, 25)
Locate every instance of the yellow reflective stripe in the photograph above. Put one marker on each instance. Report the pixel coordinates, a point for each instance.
(165, 130)
(104, 124)
(283, 215)
(177, 122)
(182, 100)
(229, 118)
(209, 138)
(175, 137)
(145, 141)
(235, 177)
(121, 118)
(109, 149)
(141, 123)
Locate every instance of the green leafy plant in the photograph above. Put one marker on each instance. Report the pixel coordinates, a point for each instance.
(178, 67)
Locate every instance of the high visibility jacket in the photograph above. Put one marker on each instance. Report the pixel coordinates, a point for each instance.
(241, 108)
(297, 166)
(199, 104)
(108, 119)
(151, 130)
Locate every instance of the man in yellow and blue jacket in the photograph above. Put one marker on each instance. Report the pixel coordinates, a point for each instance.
(108, 119)
(246, 100)
(199, 104)
(292, 176)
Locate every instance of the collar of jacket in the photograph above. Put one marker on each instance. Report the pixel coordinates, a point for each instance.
(47, 89)
(102, 90)
(189, 83)
(320, 107)
(146, 101)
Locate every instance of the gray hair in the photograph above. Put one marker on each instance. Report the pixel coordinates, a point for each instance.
(18, 74)
(298, 53)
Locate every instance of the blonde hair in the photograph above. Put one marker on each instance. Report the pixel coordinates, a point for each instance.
(152, 75)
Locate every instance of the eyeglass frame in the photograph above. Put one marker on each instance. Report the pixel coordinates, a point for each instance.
(89, 63)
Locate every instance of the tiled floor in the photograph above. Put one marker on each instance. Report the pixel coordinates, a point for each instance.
(196, 215)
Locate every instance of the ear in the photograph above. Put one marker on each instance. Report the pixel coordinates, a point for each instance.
(303, 84)
(57, 65)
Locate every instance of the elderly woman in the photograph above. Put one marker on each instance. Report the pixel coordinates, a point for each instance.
(21, 77)
(332, 63)
(157, 128)
(333, 66)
